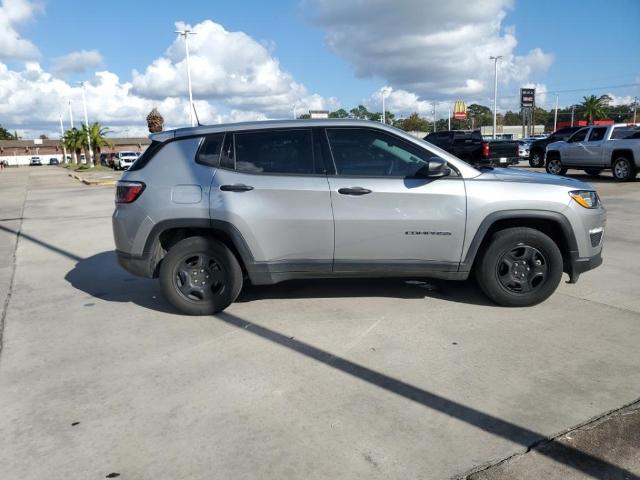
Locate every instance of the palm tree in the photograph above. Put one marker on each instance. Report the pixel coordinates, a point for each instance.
(73, 139)
(97, 134)
(594, 107)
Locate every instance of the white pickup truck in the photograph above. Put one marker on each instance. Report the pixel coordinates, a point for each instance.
(597, 148)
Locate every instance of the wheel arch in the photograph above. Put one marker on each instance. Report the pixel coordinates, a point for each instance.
(626, 152)
(553, 224)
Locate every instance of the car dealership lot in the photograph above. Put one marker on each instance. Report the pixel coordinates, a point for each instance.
(307, 379)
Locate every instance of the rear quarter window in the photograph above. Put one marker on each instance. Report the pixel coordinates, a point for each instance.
(146, 157)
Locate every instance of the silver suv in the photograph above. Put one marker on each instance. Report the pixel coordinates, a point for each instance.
(209, 207)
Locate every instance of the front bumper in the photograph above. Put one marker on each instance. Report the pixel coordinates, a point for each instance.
(578, 265)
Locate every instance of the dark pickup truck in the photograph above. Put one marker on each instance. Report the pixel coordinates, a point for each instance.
(469, 146)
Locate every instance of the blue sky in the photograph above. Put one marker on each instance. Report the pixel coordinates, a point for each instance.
(327, 54)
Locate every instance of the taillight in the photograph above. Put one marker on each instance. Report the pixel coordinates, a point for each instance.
(486, 152)
(127, 192)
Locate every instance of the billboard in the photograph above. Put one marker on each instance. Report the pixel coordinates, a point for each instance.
(460, 110)
(527, 97)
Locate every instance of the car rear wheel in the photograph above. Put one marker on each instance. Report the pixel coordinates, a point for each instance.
(536, 160)
(200, 276)
(554, 166)
(623, 169)
(520, 267)
(594, 172)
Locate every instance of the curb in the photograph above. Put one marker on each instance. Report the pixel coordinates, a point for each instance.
(93, 183)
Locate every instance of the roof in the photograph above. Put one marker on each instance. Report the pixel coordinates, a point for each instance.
(55, 143)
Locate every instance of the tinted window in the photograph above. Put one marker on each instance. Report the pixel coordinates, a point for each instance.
(597, 134)
(277, 151)
(226, 156)
(371, 153)
(146, 157)
(580, 135)
(209, 153)
(625, 132)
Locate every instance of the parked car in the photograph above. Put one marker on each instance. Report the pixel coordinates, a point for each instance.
(523, 149)
(35, 162)
(124, 160)
(205, 207)
(597, 148)
(54, 161)
(538, 147)
(469, 146)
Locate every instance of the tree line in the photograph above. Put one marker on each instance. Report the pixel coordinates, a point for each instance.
(590, 109)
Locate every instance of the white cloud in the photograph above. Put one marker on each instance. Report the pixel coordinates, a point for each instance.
(14, 13)
(435, 49)
(77, 62)
(229, 67)
(620, 99)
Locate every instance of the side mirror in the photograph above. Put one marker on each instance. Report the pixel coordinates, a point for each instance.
(435, 167)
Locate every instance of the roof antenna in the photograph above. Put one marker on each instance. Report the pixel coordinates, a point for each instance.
(193, 105)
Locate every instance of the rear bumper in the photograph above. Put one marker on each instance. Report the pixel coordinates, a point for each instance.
(138, 266)
(578, 265)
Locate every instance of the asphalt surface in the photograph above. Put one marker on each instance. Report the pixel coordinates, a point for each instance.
(317, 379)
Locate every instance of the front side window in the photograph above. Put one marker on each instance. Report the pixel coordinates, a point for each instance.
(371, 153)
(276, 151)
(597, 134)
(580, 135)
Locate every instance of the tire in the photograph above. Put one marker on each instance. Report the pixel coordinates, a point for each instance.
(623, 169)
(184, 267)
(554, 166)
(520, 267)
(594, 172)
(536, 159)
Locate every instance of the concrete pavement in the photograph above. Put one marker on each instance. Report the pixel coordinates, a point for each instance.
(317, 379)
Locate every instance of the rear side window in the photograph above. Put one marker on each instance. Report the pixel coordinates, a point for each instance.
(275, 151)
(209, 152)
(625, 132)
(146, 157)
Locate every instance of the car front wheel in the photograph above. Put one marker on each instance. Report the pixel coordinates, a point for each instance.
(200, 276)
(520, 267)
(554, 166)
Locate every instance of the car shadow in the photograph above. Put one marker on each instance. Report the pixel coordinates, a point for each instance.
(102, 277)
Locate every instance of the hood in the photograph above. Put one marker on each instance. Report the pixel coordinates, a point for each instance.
(526, 176)
(555, 144)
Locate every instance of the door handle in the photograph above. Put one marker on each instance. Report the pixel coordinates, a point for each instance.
(354, 191)
(238, 187)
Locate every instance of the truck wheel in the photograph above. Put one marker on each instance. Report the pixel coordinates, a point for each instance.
(200, 276)
(521, 267)
(554, 166)
(536, 160)
(623, 169)
(594, 172)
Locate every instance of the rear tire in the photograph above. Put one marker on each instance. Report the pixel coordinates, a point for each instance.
(520, 267)
(536, 159)
(554, 166)
(623, 169)
(200, 276)
(594, 172)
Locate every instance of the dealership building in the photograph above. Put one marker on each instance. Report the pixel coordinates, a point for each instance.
(19, 152)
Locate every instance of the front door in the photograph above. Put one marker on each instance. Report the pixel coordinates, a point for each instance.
(574, 151)
(385, 217)
(593, 147)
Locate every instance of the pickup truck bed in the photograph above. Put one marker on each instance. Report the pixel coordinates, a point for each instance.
(470, 147)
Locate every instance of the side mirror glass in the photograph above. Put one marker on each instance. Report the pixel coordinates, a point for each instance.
(434, 168)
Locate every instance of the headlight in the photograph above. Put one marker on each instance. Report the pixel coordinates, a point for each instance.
(586, 198)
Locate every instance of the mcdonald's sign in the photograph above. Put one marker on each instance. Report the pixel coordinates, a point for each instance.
(460, 110)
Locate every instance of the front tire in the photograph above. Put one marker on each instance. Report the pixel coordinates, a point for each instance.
(200, 276)
(521, 267)
(623, 169)
(536, 160)
(554, 166)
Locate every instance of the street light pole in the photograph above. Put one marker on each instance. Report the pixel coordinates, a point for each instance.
(495, 92)
(449, 120)
(434, 115)
(64, 148)
(384, 120)
(86, 122)
(185, 34)
(573, 111)
(555, 117)
(635, 107)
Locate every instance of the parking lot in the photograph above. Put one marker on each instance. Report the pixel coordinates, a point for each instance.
(306, 379)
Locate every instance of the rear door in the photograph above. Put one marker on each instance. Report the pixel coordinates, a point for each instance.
(385, 217)
(593, 147)
(273, 189)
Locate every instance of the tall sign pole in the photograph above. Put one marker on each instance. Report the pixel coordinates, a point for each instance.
(495, 92)
(185, 34)
(555, 117)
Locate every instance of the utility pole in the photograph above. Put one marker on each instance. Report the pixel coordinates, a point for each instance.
(555, 117)
(495, 91)
(635, 107)
(449, 120)
(73, 152)
(86, 122)
(185, 34)
(573, 111)
(64, 148)
(434, 115)
(384, 120)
